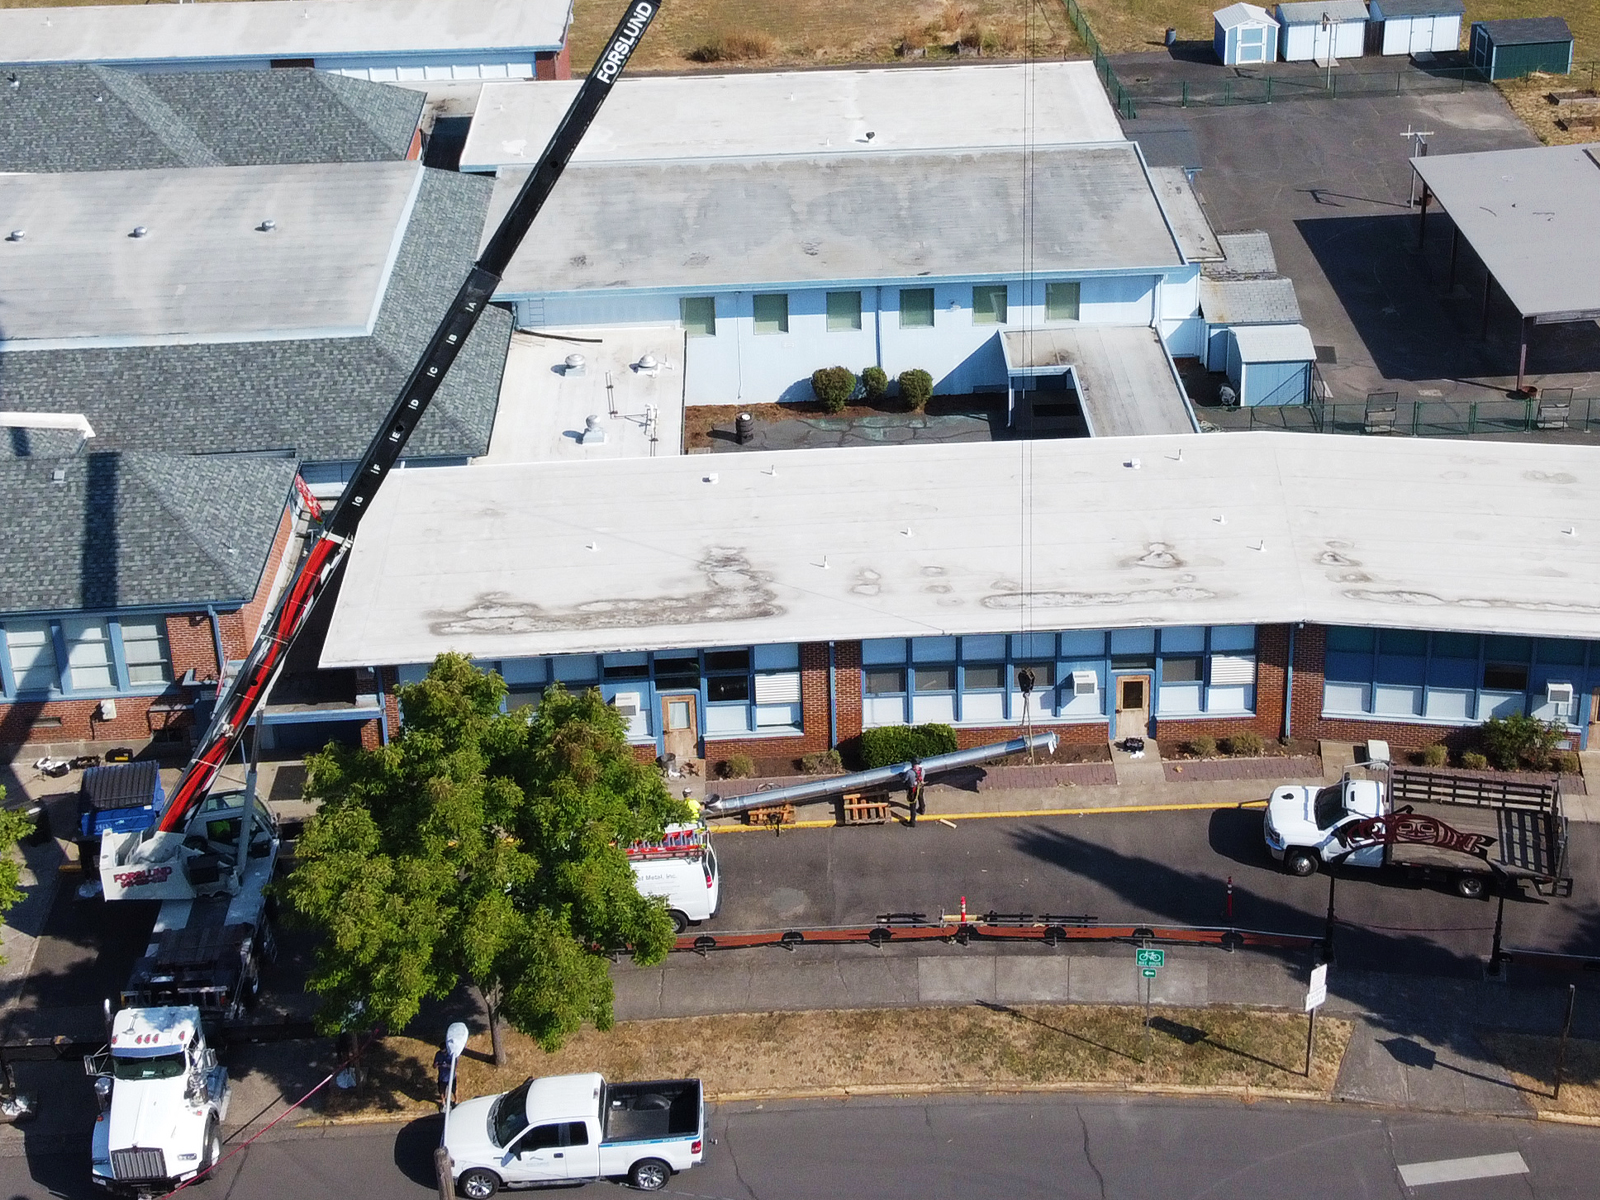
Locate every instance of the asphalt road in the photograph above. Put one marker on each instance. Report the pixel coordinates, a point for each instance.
(1148, 867)
(1007, 1148)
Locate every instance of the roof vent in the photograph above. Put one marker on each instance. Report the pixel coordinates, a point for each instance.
(139, 231)
(267, 226)
(592, 433)
(16, 235)
(574, 364)
(59, 475)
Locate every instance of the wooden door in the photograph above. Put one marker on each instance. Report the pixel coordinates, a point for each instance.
(680, 726)
(1133, 706)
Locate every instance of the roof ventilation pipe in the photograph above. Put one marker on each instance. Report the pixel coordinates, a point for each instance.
(575, 365)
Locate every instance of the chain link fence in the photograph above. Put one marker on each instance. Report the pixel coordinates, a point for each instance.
(1121, 98)
(1553, 413)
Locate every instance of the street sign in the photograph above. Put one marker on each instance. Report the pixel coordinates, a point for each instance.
(1148, 972)
(1317, 993)
(1150, 958)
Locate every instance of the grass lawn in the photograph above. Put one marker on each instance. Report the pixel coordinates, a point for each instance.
(1532, 1064)
(976, 1046)
(717, 34)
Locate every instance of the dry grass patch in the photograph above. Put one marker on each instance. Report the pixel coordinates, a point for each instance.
(978, 1046)
(1531, 1062)
(1133, 26)
(812, 32)
(1529, 99)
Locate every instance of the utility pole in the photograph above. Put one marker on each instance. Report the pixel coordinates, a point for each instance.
(1419, 149)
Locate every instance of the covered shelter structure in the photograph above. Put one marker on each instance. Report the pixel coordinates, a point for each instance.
(1244, 34)
(1521, 46)
(1316, 31)
(1530, 216)
(1417, 26)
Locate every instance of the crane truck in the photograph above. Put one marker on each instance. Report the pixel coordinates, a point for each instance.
(208, 855)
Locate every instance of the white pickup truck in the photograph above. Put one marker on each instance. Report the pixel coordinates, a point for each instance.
(575, 1128)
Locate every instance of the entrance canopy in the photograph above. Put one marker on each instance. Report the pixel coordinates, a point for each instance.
(1530, 216)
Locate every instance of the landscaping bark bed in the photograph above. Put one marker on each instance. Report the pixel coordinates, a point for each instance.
(1205, 770)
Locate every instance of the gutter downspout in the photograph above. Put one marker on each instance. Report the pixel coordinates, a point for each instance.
(216, 638)
(1288, 688)
(833, 700)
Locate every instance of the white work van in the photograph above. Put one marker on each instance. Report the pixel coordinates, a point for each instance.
(576, 1128)
(682, 870)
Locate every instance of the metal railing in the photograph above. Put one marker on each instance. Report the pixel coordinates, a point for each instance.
(1432, 418)
(1270, 89)
(1121, 97)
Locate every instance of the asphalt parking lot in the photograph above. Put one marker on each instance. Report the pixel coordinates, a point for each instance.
(1330, 182)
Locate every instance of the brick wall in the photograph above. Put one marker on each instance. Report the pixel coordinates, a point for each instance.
(1272, 656)
(553, 66)
(813, 721)
(239, 627)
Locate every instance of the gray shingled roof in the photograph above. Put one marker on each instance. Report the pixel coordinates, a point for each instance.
(91, 118)
(1527, 31)
(137, 530)
(1263, 301)
(321, 398)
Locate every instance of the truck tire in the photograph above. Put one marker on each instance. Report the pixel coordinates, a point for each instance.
(213, 1151)
(1302, 864)
(680, 921)
(648, 1175)
(478, 1184)
(1473, 887)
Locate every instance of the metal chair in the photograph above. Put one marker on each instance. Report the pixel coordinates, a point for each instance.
(1555, 409)
(1383, 412)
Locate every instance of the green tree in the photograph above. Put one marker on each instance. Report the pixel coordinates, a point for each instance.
(481, 847)
(14, 826)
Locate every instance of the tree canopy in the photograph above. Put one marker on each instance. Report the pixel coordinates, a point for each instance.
(485, 847)
(15, 825)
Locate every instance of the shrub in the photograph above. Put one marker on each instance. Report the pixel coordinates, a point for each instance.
(822, 762)
(916, 388)
(901, 743)
(1244, 743)
(1203, 746)
(1436, 755)
(740, 46)
(1473, 761)
(737, 766)
(875, 383)
(1564, 762)
(833, 386)
(1510, 741)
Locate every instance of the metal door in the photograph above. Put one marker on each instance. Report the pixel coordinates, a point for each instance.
(680, 725)
(1421, 35)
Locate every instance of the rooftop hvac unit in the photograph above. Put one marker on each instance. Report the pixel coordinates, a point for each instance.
(626, 703)
(1085, 683)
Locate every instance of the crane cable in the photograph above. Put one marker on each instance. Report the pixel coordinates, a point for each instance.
(1025, 675)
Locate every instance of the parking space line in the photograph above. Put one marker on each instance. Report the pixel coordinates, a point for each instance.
(1452, 1170)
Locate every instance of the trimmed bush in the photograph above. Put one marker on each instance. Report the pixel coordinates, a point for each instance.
(1203, 746)
(1473, 761)
(1436, 755)
(833, 386)
(916, 388)
(822, 762)
(901, 743)
(875, 383)
(1246, 743)
(1510, 741)
(737, 766)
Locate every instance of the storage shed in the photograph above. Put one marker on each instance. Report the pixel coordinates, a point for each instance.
(1245, 34)
(1316, 30)
(1270, 364)
(1512, 49)
(1417, 26)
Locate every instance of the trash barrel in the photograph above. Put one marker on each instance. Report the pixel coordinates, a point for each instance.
(1172, 37)
(744, 428)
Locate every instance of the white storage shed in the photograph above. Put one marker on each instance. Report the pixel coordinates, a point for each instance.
(1418, 26)
(1270, 364)
(1245, 34)
(1317, 29)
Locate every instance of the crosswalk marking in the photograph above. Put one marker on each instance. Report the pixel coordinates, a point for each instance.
(1450, 1170)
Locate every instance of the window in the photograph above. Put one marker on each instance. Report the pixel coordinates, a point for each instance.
(728, 660)
(772, 313)
(982, 677)
(699, 315)
(543, 1137)
(728, 687)
(625, 666)
(90, 663)
(1181, 670)
(916, 308)
(33, 657)
(678, 671)
(144, 649)
(844, 311)
(936, 679)
(989, 304)
(1061, 301)
(884, 682)
(577, 1133)
(1505, 677)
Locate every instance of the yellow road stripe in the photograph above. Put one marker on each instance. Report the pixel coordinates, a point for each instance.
(1013, 814)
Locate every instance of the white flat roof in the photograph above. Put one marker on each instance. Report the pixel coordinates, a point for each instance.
(1274, 343)
(1531, 215)
(138, 33)
(1126, 382)
(203, 271)
(800, 112)
(543, 406)
(730, 223)
(808, 545)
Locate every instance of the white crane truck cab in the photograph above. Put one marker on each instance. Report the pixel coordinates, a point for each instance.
(163, 1100)
(576, 1128)
(681, 869)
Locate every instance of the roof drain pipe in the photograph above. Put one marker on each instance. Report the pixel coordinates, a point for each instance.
(216, 638)
(1288, 689)
(899, 775)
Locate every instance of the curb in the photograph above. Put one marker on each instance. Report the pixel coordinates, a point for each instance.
(933, 818)
(1245, 1094)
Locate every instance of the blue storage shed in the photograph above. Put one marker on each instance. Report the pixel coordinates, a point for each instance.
(1245, 34)
(1512, 49)
(1270, 364)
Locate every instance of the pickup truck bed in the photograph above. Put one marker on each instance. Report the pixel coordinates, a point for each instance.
(1525, 819)
(639, 1112)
